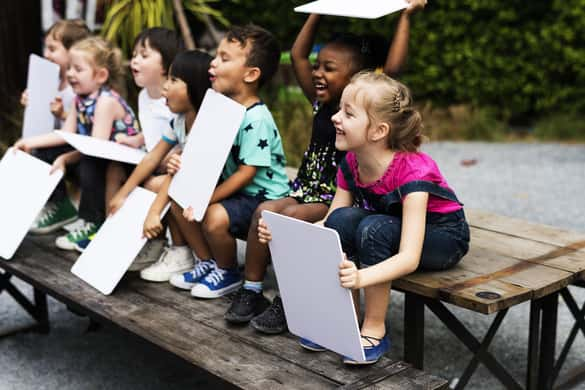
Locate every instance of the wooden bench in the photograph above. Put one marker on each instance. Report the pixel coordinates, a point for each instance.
(510, 262)
(195, 329)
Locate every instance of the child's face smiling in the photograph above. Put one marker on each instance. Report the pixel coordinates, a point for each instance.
(175, 92)
(331, 73)
(55, 52)
(82, 75)
(228, 68)
(351, 122)
(147, 66)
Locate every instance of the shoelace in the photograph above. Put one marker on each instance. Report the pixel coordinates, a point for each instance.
(201, 268)
(215, 276)
(82, 231)
(48, 212)
(163, 257)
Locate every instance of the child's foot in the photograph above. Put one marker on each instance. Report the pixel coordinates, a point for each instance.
(187, 280)
(81, 245)
(311, 346)
(217, 283)
(272, 320)
(173, 260)
(72, 240)
(373, 352)
(245, 305)
(149, 254)
(54, 216)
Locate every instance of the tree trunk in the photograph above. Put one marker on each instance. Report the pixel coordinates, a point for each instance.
(182, 20)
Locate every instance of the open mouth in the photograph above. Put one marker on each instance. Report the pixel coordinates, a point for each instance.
(339, 132)
(320, 87)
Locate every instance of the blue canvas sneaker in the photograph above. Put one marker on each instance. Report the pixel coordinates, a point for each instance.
(311, 346)
(217, 283)
(373, 352)
(187, 280)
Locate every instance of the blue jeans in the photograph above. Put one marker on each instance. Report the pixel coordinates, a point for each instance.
(370, 238)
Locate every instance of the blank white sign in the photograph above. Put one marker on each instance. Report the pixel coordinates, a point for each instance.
(116, 244)
(108, 150)
(42, 87)
(365, 9)
(26, 187)
(208, 145)
(306, 260)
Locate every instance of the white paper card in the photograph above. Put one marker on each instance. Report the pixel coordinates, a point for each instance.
(42, 87)
(111, 252)
(26, 187)
(306, 260)
(108, 150)
(208, 145)
(365, 9)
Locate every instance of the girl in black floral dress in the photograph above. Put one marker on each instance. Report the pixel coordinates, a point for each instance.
(314, 187)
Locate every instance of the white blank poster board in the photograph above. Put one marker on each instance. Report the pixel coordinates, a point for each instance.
(116, 244)
(209, 143)
(306, 260)
(108, 150)
(26, 187)
(42, 86)
(365, 9)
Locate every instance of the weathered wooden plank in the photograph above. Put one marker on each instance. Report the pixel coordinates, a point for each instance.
(192, 329)
(522, 228)
(411, 379)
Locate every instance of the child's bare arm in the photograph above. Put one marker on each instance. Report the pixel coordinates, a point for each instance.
(299, 56)
(107, 109)
(399, 49)
(152, 224)
(134, 141)
(241, 178)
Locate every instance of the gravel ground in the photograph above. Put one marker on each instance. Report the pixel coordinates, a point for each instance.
(539, 182)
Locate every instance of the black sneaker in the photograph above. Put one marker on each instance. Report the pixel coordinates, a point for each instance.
(272, 321)
(245, 305)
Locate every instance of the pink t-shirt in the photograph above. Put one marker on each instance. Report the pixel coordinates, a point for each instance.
(404, 168)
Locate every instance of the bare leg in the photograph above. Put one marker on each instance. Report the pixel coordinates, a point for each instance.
(377, 298)
(115, 178)
(216, 230)
(190, 232)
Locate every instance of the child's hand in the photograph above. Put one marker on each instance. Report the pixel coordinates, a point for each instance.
(57, 107)
(21, 144)
(188, 214)
(116, 203)
(133, 141)
(414, 6)
(264, 235)
(58, 164)
(174, 164)
(349, 275)
(152, 226)
(24, 98)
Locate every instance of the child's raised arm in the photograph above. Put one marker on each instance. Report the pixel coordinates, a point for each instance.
(399, 49)
(299, 56)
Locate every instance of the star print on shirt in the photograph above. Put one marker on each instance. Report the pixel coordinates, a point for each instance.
(270, 174)
(262, 193)
(248, 128)
(263, 143)
(235, 153)
(280, 159)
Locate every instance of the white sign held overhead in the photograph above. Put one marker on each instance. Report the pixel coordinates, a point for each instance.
(364, 9)
(26, 187)
(108, 150)
(209, 143)
(42, 87)
(111, 252)
(317, 308)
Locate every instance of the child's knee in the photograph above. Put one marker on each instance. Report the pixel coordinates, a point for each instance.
(216, 221)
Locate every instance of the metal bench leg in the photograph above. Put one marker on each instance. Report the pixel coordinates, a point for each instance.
(414, 336)
(548, 337)
(38, 310)
(478, 349)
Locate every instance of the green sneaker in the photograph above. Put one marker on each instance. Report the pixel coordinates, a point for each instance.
(54, 216)
(82, 233)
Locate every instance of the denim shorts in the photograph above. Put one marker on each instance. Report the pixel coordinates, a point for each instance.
(370, 238)
(240, 208)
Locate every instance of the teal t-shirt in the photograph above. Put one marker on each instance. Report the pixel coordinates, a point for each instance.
(258, 144)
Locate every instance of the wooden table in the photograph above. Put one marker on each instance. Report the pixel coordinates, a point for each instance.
(195, 329)
(510, 262)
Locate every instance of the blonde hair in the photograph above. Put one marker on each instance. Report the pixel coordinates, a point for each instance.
(387, 100)
(104, 55)
(68, 31)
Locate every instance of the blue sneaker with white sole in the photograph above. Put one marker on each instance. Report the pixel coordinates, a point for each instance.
(188, 279)
(373, 352)
(217, 283)
(311, 346)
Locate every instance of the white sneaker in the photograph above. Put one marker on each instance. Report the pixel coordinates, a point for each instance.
(151, 251)
(173, 260)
